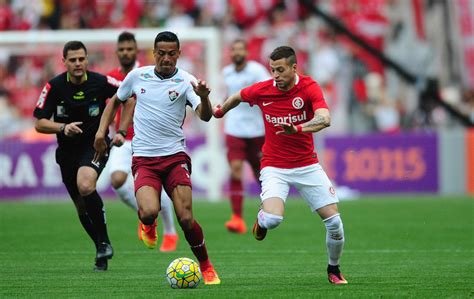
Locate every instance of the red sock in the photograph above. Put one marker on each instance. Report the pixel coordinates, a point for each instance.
(195, 239)
(236, 196)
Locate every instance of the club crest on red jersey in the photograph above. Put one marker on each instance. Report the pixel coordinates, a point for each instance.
(298, 103)
(173, 94)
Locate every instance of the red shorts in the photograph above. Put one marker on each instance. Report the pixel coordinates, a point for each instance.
(249, 149)
(167, 171)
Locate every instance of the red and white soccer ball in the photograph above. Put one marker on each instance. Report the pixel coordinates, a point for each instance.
(183, 273)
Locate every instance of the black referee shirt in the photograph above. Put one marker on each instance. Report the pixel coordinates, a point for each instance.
(68, 102)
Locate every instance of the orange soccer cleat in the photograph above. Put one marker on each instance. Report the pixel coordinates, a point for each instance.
(149, 234)
(170, 242)
(139, 230)
(210, 275)
(236, 225)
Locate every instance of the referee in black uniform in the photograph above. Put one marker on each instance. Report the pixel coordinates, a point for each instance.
(76, 100)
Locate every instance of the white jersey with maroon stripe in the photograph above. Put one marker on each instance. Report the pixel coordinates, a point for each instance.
(244, 121)
(160, 110)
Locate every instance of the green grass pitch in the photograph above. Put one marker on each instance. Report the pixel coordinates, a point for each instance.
(417, 247)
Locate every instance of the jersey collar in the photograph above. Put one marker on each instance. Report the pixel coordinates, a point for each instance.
(297, 80)
(68, 77)
(165, 77)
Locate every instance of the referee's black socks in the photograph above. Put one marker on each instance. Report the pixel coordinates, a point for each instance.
(95, 209)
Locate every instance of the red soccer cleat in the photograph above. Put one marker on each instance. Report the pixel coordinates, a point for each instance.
(149, 234)
(236, 225)
(335, 276)
(169, 243)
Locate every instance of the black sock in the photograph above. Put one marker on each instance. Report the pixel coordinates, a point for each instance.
(89, 227)
(95, 209)
(333, 269)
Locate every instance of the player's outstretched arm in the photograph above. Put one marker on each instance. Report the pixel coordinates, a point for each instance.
(321, 120)
(204, 110)
(109, 113)
(229, 104)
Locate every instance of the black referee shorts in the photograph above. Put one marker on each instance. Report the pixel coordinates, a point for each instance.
(70, 160)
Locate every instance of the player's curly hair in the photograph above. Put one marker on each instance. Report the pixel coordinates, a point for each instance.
(284, 52)
(166, 36)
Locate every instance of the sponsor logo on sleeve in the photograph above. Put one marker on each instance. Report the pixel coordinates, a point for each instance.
(44, 94)
(112, 81)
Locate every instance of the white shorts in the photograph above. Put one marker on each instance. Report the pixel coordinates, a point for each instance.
(120, 158)
(311, 181)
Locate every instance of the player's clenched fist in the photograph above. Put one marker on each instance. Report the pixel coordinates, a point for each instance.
(100, 147)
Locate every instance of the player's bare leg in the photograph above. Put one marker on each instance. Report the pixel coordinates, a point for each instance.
(236, 224)
(170, 237)
(148, 209)
(334, 241)
(269, 216)
(182, 200)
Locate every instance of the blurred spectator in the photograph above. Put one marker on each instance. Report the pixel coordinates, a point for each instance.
(178, 19)
(6, 16)
(381, 107)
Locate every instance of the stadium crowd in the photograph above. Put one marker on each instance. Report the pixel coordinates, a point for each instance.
(363, 94)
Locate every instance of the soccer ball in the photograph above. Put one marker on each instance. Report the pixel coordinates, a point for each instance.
(183, 273)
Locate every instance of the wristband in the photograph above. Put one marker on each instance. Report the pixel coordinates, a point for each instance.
(62, 128)
(299, 129)
(122, 132)
(218, 112)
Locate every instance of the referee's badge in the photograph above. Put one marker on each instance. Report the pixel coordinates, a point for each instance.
(173, 94)
(61, 111)
(94, 110)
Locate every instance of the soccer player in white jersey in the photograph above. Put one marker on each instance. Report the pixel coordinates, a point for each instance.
(162, 92)
(243, 127)
(120, 159)
(293, 108)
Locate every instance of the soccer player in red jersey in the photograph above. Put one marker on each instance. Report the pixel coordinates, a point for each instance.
(293, 107)
(120, 159)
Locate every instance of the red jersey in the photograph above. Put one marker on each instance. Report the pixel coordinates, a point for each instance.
(295, 106)
(117, 76)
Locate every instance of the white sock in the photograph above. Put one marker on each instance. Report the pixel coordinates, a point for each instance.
(126, 192)
(166, 214)
(267, 220)
(334, 238)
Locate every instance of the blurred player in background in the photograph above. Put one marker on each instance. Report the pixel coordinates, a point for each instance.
(243, 127)
(162, 93)
(293, 108)
(120, 158)
(76, 99)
